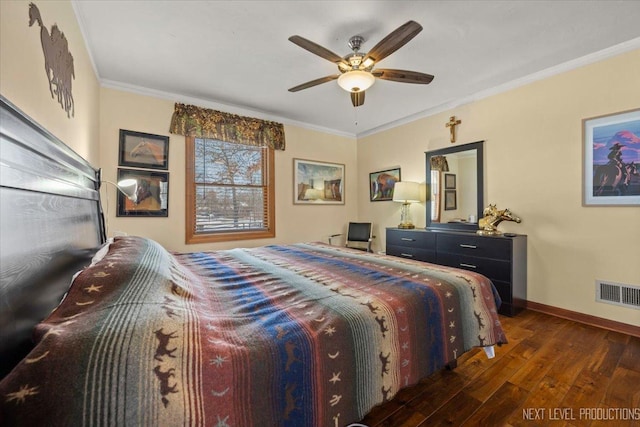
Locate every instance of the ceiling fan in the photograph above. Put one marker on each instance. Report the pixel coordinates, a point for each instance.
(356, 68)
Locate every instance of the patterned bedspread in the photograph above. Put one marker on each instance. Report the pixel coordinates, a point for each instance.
(294, 335)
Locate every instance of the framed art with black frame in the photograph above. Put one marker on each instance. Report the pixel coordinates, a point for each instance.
(143, 150)
(450, 181)
(152, 194)
(450, 203)
(382, 184)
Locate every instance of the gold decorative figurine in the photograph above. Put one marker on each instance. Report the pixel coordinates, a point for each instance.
(488, 224)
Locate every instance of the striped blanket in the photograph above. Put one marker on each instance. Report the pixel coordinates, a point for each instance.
(291, 335)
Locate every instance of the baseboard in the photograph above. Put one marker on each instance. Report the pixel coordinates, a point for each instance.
(585, 318)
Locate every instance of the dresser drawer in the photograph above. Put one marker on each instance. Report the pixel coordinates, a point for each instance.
(419, 254)
(415, 239)
(473, 245)
(492, 268)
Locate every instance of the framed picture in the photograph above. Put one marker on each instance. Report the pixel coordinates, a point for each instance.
(611, 160)
(152, 193)
(382, 183)
(450, 181)
(143, 150)
(317, 183)
(450, 203)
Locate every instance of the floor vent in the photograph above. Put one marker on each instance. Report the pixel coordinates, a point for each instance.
(617, 293)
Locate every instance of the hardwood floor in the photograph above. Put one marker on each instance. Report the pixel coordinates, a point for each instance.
(553, 372)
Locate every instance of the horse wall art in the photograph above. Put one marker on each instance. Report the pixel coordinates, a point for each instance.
(58, 61)
(382, 184)
(611, 156)
(148, 152)
(614, 179)
(143, 150)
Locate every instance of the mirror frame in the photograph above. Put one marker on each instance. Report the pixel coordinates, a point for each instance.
(479, 147)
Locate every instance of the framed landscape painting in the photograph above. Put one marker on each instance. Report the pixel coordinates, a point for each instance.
(317, 183)
(611, 159)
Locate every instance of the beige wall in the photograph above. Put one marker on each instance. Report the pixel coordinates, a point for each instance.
(24, 83)
(533, 161)
(533, 165)
(294, 223)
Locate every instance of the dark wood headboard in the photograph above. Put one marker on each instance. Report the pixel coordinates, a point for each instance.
(51, 225)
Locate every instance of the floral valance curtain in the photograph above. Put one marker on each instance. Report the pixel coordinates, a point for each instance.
(190, 120)
(439, 163)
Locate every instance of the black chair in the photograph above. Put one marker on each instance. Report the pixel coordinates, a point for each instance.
(358, 236)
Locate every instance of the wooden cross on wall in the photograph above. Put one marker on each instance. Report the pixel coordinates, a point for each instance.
(452, 128)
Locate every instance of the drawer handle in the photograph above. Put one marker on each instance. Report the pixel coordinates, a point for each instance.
(406, 239)
(406, 255)
(467, 265)
(462, 245)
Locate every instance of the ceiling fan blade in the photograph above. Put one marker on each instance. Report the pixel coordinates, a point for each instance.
(357, 98)
(317, 49)
(403, 76)
(394, 41)
(314, 83)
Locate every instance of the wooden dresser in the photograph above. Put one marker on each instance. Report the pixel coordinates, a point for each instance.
(502, 259)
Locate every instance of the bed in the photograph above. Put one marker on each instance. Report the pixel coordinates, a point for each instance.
(301, 334)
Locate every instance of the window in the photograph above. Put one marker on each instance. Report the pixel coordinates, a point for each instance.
(230, 191)
(435, 195)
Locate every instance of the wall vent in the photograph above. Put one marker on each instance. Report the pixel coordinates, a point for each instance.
(618, 294)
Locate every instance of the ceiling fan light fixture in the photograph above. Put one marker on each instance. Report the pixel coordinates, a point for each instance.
(368, 63)
(356, 81)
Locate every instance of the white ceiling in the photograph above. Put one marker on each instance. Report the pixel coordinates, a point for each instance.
(235, 55)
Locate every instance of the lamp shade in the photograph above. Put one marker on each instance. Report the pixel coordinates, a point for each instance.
(356, 81)
(406, 192)
(129, 188)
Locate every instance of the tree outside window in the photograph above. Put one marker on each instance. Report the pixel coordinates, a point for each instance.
(230, 192)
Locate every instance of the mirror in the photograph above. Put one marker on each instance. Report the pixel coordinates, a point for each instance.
(455, 186)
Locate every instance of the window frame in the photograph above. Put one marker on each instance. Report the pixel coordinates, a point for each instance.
(191, 237)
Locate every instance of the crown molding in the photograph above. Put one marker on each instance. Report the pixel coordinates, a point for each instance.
(82, 25)
(227, 108)
(540, 75)
(235, 109)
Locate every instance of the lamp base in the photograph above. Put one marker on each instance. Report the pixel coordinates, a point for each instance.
(408, 225)
(405, 216)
